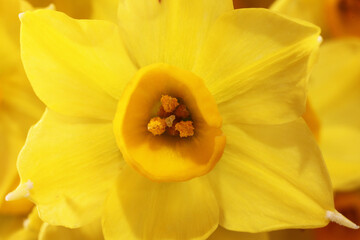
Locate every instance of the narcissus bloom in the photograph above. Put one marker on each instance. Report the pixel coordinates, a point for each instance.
(335, 17)
(237, 153)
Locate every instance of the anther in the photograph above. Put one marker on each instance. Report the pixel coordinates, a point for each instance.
(169, 103)
(157, 126)
(185, 128)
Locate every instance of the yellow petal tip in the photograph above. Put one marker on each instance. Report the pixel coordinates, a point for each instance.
(320, 39)
(23, 190)
(21, 15)
(51, 6)
(338, 218)
(26, 223)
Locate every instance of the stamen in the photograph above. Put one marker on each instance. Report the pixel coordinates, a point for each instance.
(171, 116)
(169, 103)
(185, 128)
(338, 218)
(157, 126)
(182, 112)
(23, 190)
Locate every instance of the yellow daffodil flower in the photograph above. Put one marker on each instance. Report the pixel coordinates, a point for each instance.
(113, 142)
(335, 17)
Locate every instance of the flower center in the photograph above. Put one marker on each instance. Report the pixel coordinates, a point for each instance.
(172, 118)
(343, 17)
(167, 125)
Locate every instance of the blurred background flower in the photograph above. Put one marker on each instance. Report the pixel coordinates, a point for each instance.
(337, 18)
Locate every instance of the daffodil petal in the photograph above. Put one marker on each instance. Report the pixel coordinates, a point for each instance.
(88, 232)
(170, 31)
(271, 177)
(340, 146)
(258, 76)
(71, 163)
(76, 67)
(309, 10)
(139, 208)
(223, 234)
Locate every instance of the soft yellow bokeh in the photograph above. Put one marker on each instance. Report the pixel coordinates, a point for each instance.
(335, 95)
